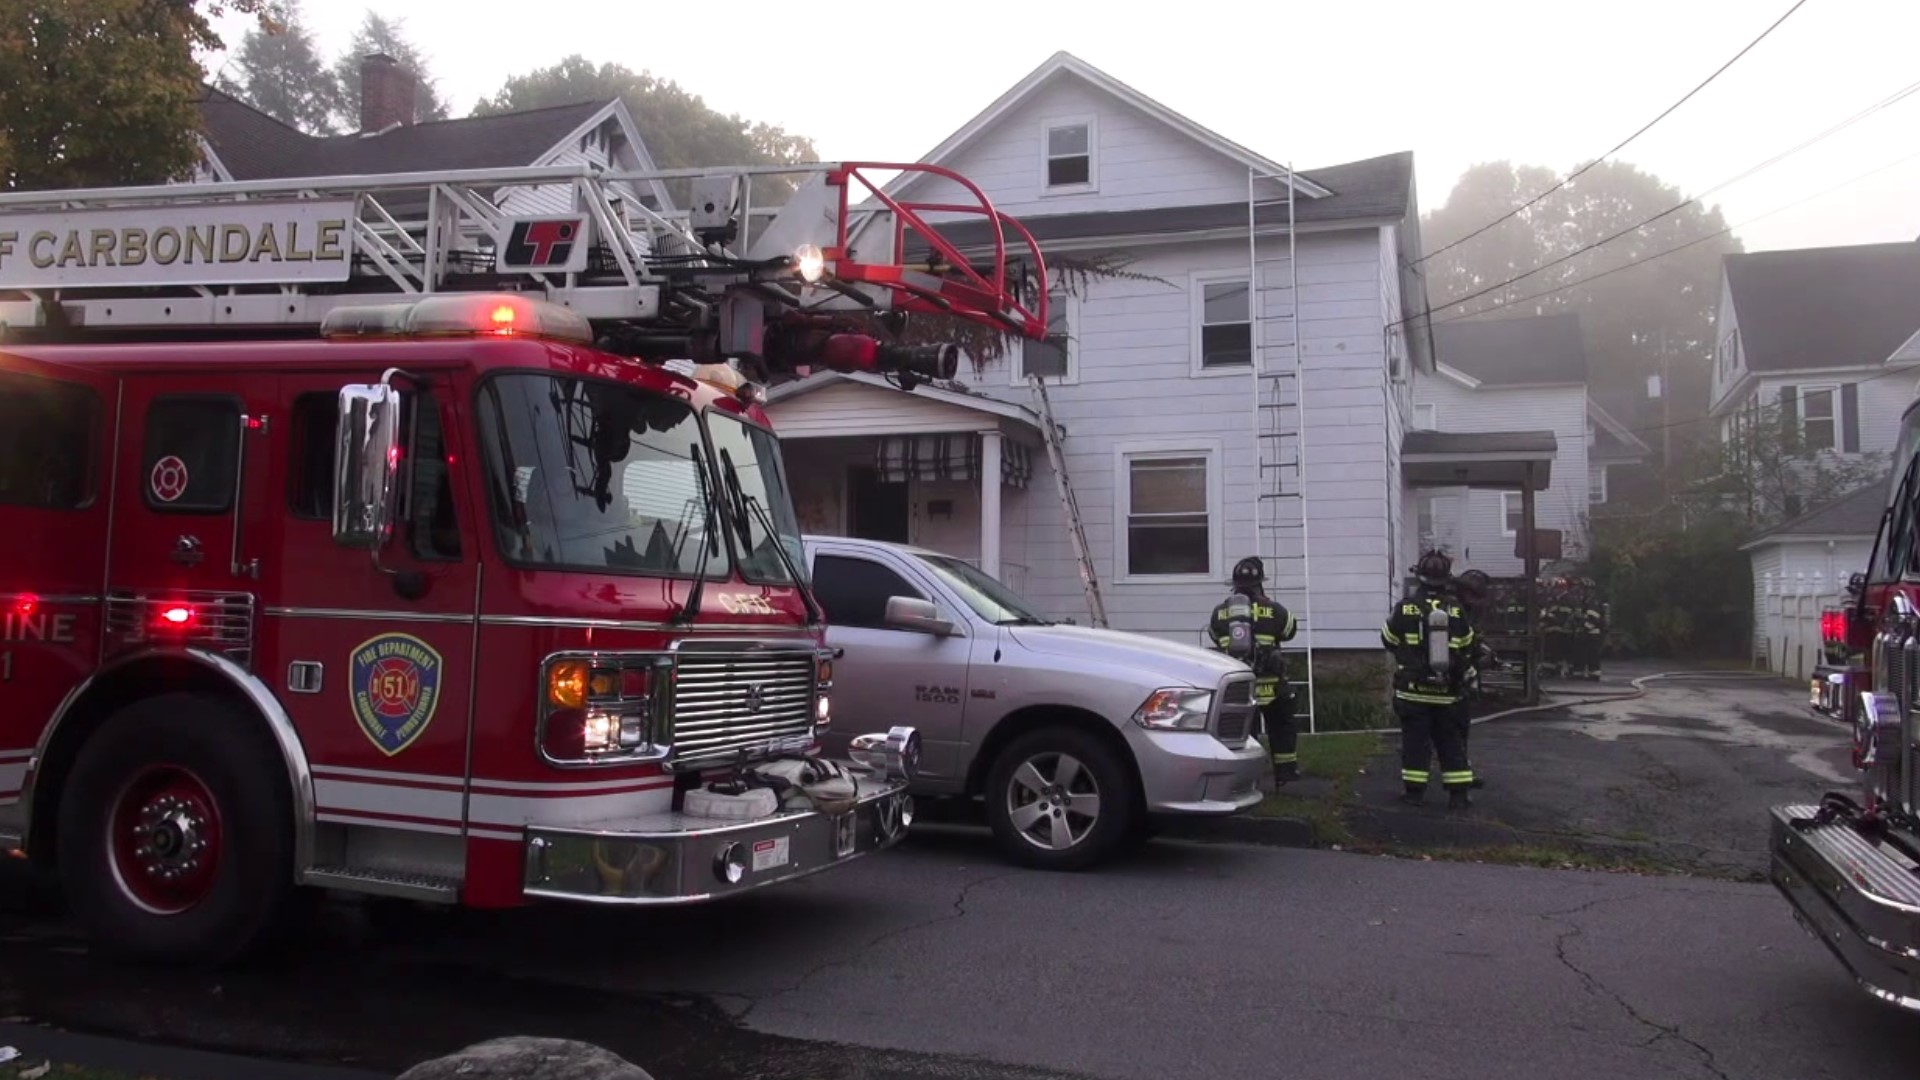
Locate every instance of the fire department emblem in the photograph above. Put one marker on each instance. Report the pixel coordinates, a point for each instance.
(168, 479)
(395, 683)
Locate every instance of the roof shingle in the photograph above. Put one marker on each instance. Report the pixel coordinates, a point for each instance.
(1825, 307)
(1856, 513)
(1514, 351)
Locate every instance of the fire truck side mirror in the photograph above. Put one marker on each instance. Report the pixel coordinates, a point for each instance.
(367, 464)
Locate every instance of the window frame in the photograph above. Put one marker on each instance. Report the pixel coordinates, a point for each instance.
(1832, 419)
(1599, 471)
(1124, 455)
(1432, 410)
(1197, 283)
(1017, 362)
(1057, 123)
(1511, 503)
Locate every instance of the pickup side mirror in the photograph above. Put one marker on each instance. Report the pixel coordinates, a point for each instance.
(917, 616)
(366, 466)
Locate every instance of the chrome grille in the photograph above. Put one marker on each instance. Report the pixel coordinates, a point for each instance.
(219, 621)
(725, 704)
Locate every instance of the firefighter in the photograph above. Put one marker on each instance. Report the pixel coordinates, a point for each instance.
(1474, 589)
(1250, 625)
(1590, 626)
(1431, 642)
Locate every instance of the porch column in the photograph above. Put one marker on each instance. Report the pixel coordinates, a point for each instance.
(990, 503)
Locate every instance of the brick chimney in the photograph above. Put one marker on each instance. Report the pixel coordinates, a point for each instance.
(388, 93)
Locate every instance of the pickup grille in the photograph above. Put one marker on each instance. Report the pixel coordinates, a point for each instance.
(726, 704)
(1235, 715)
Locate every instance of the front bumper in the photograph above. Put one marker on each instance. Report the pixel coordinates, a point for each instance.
(1834, 691)
(1192, 772)
(1861, 900)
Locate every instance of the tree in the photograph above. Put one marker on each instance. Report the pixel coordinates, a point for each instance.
(279, 72)
(105, 92)
(378, 34)
(680, 129)
(1765, 472)
(1637, 322)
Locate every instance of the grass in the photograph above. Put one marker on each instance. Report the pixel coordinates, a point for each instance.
(1337, 758)
(1546, 857)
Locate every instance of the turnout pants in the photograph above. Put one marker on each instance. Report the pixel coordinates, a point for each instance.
(1427, 731)
(1283, 740)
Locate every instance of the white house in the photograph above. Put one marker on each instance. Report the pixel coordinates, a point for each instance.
(1815, 337)
(1801, 567)
(1498, 374)
(1154, 387)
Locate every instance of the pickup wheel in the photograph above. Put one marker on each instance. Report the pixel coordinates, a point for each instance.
(1060, 799)
(175, 837)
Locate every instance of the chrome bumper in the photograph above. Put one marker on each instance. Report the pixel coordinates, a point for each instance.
(1861, 900)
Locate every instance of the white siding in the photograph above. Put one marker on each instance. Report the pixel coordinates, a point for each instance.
(1136, 386)
(558, 198)
(1792, 581)
(850, 408)
(1881, 399)
(1475, 519)
(1138, 163)
(1729, 356)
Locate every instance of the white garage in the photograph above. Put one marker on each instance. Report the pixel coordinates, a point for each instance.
(1801, 567)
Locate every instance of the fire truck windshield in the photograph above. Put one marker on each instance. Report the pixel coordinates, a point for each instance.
(594, 475)
(757, 500)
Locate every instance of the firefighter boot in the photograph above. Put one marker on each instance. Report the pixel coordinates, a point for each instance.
(1458, 799)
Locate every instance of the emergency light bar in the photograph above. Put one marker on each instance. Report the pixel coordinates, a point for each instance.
(460, 315)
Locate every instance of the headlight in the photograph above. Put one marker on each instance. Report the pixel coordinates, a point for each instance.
(1175, 708)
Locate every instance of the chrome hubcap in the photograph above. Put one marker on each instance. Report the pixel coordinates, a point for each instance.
(1053, 801)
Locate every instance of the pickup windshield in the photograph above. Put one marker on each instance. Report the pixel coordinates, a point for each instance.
(985, 594)
(594, 475)
(753, 489)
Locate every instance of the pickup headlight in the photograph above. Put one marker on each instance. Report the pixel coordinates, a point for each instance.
(1175, 708)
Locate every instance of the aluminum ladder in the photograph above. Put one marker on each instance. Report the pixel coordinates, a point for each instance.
(1076, 528)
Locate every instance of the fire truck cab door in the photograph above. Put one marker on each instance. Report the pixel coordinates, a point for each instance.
(56, 484)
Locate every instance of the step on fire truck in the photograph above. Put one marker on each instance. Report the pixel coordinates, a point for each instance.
(1851, 867)
(358, 533)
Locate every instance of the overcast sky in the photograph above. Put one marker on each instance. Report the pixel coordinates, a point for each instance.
(1311, 84)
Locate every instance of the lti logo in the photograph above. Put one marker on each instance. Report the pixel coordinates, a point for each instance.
(544, 244)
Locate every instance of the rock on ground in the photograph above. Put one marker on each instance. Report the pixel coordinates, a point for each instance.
(519, 1058)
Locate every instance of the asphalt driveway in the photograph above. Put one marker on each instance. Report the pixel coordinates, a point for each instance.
(1681, 776)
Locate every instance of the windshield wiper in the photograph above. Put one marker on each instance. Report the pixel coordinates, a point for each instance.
(691, 609)
(815, 615)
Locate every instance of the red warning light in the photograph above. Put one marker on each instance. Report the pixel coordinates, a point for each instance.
(26, 604)
(178, 615)
(503, 319)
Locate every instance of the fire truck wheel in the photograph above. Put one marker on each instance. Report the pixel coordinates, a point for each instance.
(1060, 799)
(175, 832)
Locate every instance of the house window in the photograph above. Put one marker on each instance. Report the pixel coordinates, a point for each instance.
(1426, 417)
(1512, 513)
(1168, 499)
(1224, 323)
(1596, 483)
(1069, 155)
(1817, 419)
(1423, 522)
(1055, 358)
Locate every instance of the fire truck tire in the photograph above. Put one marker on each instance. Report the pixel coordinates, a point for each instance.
(176, 833)
(1060, 799)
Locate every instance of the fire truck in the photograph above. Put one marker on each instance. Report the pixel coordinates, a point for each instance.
(1850, 866)
(424, 536)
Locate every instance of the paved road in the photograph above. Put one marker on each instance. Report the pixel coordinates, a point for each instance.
(1188, 960)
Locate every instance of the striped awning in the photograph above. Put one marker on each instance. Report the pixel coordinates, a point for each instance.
(947, 457)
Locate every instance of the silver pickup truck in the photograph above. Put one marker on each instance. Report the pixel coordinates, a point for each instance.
(1074, 737)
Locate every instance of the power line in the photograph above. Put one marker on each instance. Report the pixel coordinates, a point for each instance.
(1682, 247)
(1570, 177)
(1892, 99)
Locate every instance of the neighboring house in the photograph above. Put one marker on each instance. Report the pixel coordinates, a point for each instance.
(1814, 337)
(1150, 376)
(1802, 566)
(239, 142)
(1500, 374)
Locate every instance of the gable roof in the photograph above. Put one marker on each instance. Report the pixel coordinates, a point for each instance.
(1066, 64)
(788, 391)
(254, 146)
(1530, 350)
(1850, 306)
(1855, 514)
(1378, 188)
(1613, 442)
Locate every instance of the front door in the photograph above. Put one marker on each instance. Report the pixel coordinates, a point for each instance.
(56, 483)
(886, 676)
(876, 510)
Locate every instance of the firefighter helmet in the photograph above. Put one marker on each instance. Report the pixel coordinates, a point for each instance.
(1474, 585)
(1434, 567)
(1249, 571)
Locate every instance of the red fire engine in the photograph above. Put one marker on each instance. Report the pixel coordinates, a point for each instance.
(1851, 867)
(376, 534)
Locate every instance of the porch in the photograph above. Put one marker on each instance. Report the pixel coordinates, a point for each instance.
(868, 460)
(1506, 461)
